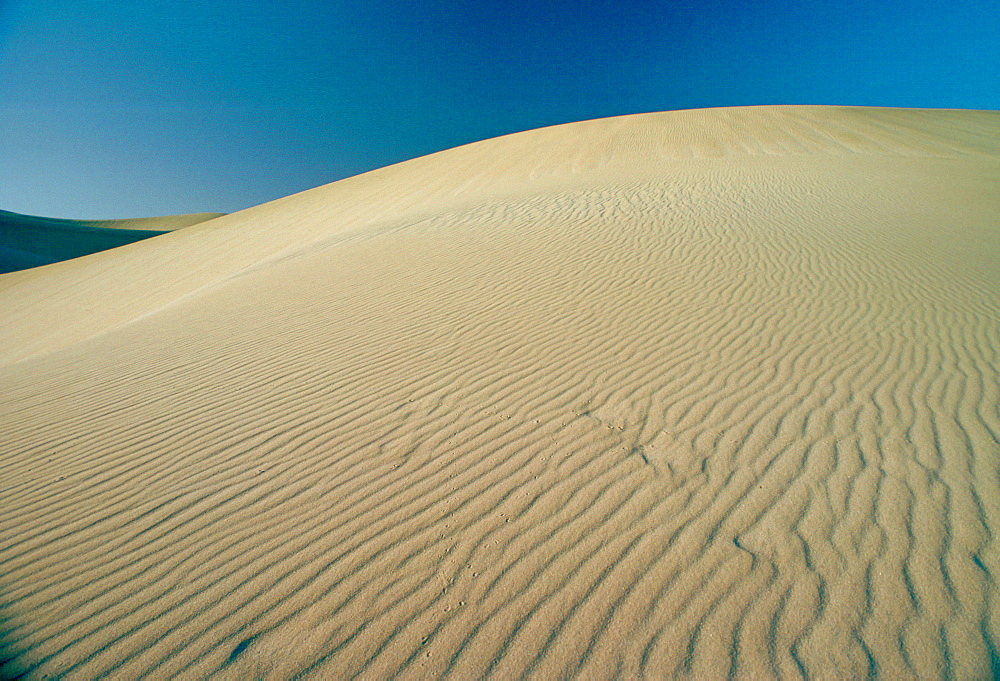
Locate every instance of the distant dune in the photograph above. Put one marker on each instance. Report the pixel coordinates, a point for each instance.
(697, 393)
(31, 241)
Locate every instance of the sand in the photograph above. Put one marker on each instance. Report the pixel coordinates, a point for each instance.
(698, 393)
(32, 241)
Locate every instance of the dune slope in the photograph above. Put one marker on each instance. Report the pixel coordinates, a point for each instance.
(31, 241)
(695, 393)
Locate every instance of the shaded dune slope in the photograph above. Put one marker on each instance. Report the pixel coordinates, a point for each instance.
(694, 393)
(31, 241)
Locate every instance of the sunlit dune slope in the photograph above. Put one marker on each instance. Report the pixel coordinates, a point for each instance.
(31, 241)
(695, 393)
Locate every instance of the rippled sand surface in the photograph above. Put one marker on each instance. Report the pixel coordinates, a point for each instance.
(699, 393)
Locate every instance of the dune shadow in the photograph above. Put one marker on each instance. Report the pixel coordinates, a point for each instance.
(12, 664)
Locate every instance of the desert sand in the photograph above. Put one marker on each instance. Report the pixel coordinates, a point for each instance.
(699, 393)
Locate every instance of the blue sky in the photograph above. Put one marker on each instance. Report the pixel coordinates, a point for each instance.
(147, 107)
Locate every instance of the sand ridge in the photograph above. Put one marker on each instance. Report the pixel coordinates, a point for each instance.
(32, 241)
(697, 393)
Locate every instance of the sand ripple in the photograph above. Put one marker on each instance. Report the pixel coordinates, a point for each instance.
(732, 408)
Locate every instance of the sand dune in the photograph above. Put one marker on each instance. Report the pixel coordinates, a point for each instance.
(31, 241)
(699, 393)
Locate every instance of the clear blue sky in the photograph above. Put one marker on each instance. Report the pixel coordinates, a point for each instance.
(125, 108)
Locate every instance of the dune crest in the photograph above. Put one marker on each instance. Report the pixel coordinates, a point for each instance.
(696, 393)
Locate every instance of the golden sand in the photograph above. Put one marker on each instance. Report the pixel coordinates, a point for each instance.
(699, 393)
